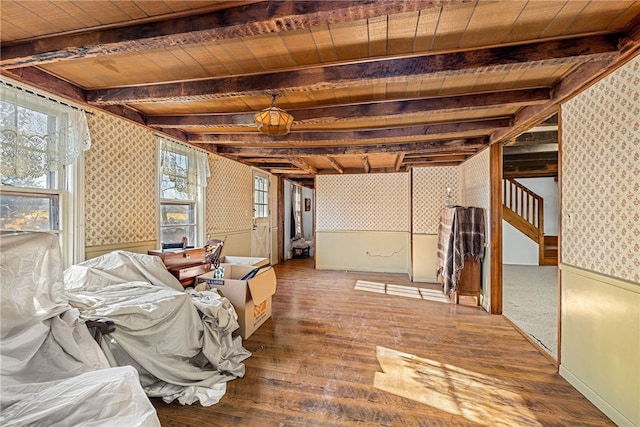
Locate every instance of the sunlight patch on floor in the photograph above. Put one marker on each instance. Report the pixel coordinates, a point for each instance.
(476, 397)
(401, 290)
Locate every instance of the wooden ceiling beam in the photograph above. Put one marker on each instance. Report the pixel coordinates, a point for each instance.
(365, 164)
(578, 80)
(519, 97)
(290, 171)
(399, 160)
(36, 77)
(286, 152)
(334, 164)
(529, 149)
(516, 57)
(435, 159)
(302, 164)
(236, 22)
(431, 131)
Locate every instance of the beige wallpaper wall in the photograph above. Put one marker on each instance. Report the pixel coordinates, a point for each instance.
(429, 196)
(474, 181)
(229, 196)
(120, 182)
(376, 202)
(474, 190)
(601, 176)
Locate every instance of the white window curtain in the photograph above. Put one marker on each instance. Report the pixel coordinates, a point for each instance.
(28, 150)
(186, 168)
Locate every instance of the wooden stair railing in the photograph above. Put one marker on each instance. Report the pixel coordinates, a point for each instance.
(523, 209)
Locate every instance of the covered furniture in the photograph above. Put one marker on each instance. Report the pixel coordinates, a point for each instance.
(301, 248)
(52, 371)
(180, 341)
(461, 241)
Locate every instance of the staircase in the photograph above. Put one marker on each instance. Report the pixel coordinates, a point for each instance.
(523, 209)
(550, 250)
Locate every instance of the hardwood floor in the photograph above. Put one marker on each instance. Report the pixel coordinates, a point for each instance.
(334, 356)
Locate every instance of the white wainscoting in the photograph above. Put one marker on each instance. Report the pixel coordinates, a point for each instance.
(600, 341)
(378, 251)
(425, 252)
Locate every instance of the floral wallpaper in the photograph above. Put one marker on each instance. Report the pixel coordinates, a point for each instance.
(120, 182)
(229, 196)
(474, 181)
(601, 176)
(430, 196)
(366, 202)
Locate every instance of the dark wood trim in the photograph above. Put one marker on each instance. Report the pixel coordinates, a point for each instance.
(280, 218)
(495, 226)
(48, 83)
(560, 234)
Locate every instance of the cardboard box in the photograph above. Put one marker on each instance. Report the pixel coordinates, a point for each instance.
(244, 260)
(251, 298)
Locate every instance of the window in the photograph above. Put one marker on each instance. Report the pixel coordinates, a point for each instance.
(261, 197)
(41, 140)
(183, 174)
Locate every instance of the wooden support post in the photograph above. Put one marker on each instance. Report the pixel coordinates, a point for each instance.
(495, 208)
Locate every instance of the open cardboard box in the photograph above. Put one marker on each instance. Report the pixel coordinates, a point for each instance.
(251, 298)
(244, 260)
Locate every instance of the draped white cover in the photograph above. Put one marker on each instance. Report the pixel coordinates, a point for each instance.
(179, 341)
(52, 372)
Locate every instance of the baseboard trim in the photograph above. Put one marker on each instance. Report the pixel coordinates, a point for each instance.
(594, 398)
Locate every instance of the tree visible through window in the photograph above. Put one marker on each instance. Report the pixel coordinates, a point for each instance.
(183, 172)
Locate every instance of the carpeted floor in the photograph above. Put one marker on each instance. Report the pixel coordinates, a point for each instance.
(530, 300)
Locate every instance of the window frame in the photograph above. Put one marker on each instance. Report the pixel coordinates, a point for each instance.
(260, 204)
(66, 185)
(197, 202)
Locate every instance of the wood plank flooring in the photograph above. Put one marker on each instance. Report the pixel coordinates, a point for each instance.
(334, 356)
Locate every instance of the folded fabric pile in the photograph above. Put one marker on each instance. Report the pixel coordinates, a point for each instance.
(180, 342)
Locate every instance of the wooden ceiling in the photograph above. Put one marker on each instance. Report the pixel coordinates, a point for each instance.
(374, 86)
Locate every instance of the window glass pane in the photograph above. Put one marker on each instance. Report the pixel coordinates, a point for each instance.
(175, 234)
(27, 122)
(172, 214)
(177, 221)
(174, 181)
(29, 212)
(261, 197)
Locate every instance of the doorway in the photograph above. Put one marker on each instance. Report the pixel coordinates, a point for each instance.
(530, 250)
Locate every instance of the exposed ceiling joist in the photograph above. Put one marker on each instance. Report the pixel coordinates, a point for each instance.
(424, 133)
(244, 21)
(334, 164)
(565, 51)
(378, 109)
(285, 152)
(390, 81)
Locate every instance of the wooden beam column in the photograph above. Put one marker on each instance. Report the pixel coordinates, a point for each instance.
(495, 226)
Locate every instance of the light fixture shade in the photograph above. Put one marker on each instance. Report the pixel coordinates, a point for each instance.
(273, 120)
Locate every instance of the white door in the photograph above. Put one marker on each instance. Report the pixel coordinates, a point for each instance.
(261, 230)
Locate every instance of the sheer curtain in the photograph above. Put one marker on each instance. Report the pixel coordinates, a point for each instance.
(38, 135)
(185, 168)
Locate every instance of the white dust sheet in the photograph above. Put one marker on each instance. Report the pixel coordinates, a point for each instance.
(52, 371)
(180, 342)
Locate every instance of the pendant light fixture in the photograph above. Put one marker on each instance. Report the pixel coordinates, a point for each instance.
(273, 120)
